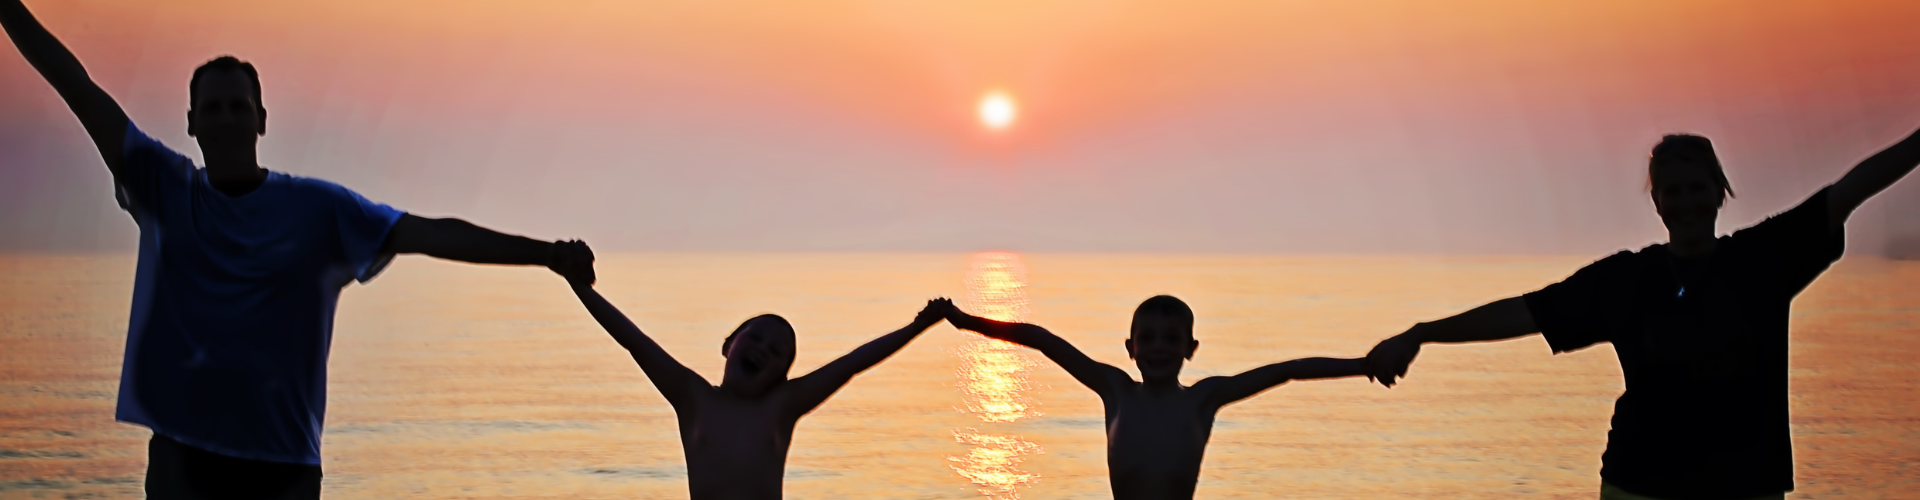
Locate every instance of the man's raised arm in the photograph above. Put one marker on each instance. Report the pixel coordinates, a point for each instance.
(1101, 377)
(455, 239)
(102, 117)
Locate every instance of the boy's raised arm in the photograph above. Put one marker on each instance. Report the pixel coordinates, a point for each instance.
(814, 388)
(675, 381)
(1101, 377)
(1228, 390)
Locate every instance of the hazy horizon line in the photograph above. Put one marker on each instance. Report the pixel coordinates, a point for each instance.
(1449, 255)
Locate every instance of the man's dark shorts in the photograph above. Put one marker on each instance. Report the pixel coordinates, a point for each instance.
(179, 472)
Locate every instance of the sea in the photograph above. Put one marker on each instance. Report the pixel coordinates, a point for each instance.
(459, 381)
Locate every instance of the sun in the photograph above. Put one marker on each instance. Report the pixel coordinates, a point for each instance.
(997, 110)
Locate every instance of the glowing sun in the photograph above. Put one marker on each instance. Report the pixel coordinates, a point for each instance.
(997, 110)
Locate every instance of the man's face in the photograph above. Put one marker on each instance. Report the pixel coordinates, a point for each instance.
(224, 111)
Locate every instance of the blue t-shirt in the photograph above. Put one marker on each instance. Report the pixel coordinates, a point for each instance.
(233, 302)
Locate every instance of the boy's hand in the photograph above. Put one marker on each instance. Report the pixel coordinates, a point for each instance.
(952, 312)
(935, 311)
(573, 260)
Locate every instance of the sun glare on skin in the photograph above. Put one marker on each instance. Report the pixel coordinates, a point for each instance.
(997, 110)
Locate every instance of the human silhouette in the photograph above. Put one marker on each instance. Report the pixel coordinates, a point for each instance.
(1699, 324)
(1157, 429)
(239, 272)
(736, 435)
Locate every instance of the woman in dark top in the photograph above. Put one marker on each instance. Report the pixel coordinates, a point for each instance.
(1699, 324)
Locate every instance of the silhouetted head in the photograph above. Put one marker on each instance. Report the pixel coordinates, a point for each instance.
(1687, 184)
(224, 109)
(1161, 338)
(759, 354)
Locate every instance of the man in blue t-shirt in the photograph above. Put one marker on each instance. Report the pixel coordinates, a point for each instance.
(239, 272)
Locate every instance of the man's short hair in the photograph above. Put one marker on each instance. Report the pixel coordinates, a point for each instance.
(223, 63)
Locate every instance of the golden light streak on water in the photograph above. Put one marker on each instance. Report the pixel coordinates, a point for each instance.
(993, 376)
(994, 462)
(997, 287)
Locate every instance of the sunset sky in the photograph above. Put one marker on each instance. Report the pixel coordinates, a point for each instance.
(1405, 126)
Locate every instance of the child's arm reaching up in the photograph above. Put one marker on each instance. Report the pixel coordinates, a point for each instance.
(1228, 390)
(1101, 377)
(814, 388)
(675, 381)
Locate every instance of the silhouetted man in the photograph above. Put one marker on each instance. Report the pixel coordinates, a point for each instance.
(239, 272)
(1699, 324)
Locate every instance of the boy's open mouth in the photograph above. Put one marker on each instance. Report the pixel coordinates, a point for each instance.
(752, 363)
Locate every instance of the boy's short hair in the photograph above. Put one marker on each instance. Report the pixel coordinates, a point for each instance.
(778, 321)
(1165, 306)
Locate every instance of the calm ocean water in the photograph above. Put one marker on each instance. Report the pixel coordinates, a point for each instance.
(452, 381)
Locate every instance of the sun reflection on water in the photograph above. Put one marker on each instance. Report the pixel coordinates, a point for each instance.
(993, 463)
(993, 376)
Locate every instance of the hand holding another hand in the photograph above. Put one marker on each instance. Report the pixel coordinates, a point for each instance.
(935, 311)
(1390, 359)
(572, 260)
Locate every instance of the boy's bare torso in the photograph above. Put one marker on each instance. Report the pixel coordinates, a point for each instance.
(736, 447)
(1156, 439)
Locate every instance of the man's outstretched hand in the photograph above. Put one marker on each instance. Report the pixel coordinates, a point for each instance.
(572, 260)
(1389, 360)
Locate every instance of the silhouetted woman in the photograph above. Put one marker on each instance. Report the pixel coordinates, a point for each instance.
(1699, 324)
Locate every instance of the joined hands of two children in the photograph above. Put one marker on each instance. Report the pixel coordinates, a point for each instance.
(936, 310)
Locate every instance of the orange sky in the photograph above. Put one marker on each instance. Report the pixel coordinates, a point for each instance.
(1244, 126)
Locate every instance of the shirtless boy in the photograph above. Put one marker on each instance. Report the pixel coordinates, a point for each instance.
(736, 434)
(1157, 429)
